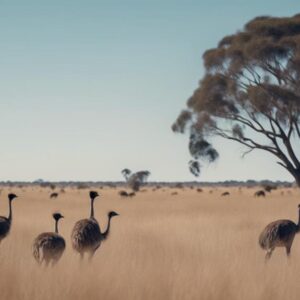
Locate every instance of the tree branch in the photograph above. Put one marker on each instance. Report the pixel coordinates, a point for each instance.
(247, 152)
(287, 143)
(252, 145)
(282, 164)
(297, 128)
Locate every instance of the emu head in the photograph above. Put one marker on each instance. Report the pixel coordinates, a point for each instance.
(112, 214)
(93, 195)
(57, 216)
(12, 196)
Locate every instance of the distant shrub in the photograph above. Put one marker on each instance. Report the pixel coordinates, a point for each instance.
(269, 188)
(44, 184)
(81, 186)
(52, 186)
(179, 185)
(111, 185)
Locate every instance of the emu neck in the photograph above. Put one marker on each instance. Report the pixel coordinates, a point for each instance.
(106, 232)
(10, 211)
(92, 208)
(56, 226)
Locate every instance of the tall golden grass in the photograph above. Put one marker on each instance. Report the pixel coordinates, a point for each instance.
(187, 246)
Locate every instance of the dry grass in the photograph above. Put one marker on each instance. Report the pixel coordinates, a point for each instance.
(192, 246)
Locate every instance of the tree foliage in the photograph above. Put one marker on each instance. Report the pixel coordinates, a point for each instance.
(135, 180)
(194, 167)
(250, 93)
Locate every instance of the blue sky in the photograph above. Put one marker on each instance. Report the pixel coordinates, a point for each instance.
(91, 87)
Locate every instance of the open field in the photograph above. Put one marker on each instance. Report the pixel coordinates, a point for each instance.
(187, 246)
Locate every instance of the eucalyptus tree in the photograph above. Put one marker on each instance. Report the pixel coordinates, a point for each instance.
(249, 94)
(135, 180)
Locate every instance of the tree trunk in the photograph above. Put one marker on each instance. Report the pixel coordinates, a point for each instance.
(298, 180)
(296, 175)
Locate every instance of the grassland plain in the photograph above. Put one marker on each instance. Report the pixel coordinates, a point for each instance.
(187, 246)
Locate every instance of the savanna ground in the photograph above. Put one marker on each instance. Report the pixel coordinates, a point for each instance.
(187, 246)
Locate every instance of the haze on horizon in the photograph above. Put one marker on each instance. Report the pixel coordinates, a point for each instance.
(90, 88)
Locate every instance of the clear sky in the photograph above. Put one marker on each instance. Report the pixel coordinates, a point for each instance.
(90, 87)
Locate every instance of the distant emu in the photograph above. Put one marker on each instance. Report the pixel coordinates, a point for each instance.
(225, 194)
(279, 233)
(49, 246)
(123, 194)
(54, 195)
(260, 193)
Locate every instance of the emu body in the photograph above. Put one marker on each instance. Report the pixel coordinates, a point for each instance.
(123, 194)
(225, 194)
(280, 233)
(49, 246)
(260, 193)
(54, 195)
(5, 222)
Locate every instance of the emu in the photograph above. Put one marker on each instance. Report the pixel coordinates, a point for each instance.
(123, 194)
(279, 233)
(5, 222)
(49, 246)
(225, 194)
(54, 195)
(260, 193)
(86, 235)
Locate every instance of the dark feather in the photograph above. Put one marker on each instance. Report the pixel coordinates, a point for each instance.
(86, 235)
(48, 246)
(278, 233)
(4, 227)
